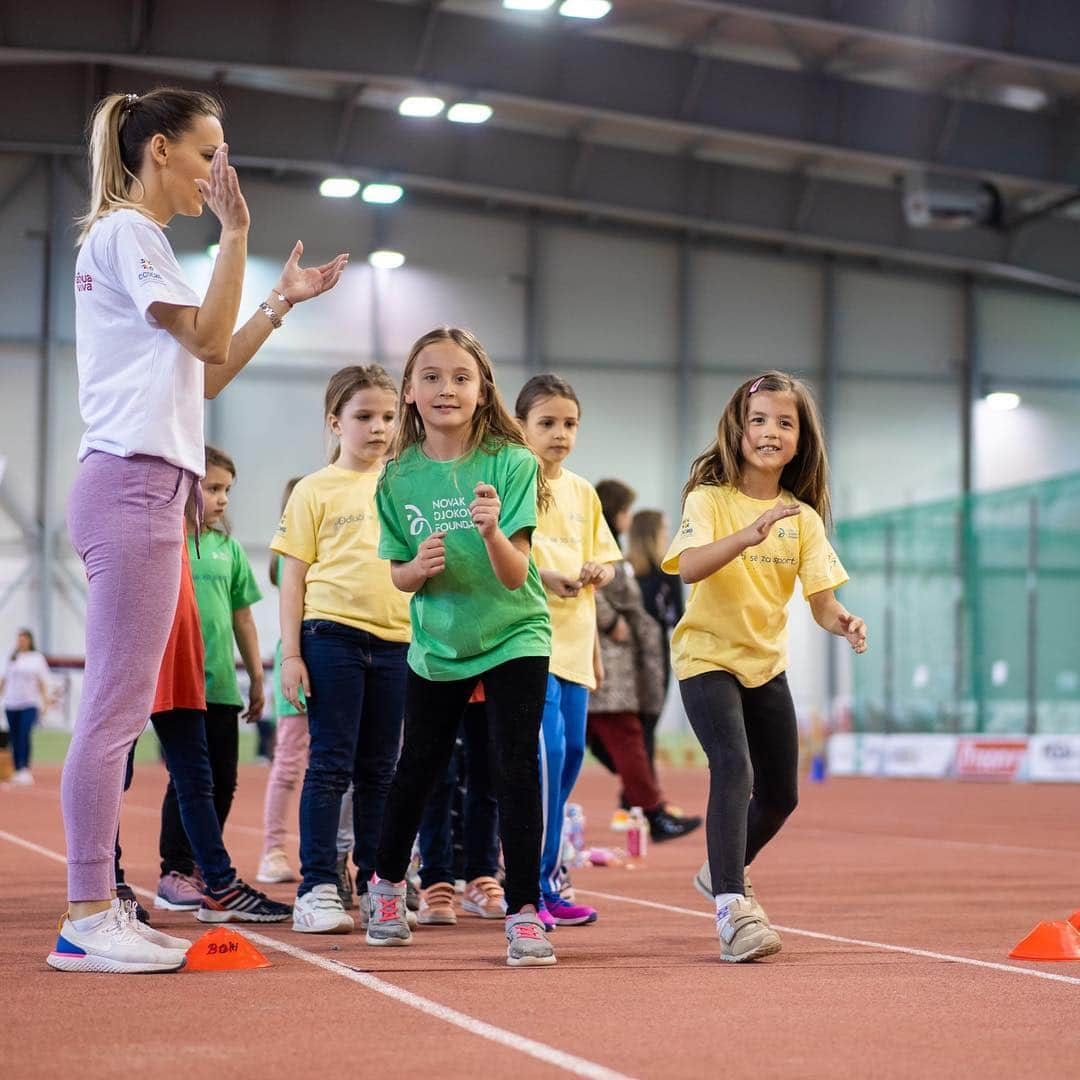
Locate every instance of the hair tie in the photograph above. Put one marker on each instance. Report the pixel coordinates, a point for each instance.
(754, 385)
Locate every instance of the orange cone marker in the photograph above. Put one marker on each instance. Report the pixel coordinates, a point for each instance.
(1049, 941)
(226, 950)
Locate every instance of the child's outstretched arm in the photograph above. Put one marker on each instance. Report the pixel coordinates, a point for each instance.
(696, 564)
(831, 615)
(509, 555)
(294, 673)
(247, 641)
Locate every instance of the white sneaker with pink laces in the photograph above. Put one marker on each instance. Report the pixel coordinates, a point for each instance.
(526, 943)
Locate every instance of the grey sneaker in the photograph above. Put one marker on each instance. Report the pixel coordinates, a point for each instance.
(526, 943)
(743, 934)
(387, 923)
(344, 881)
(410, 915)
(703, 884)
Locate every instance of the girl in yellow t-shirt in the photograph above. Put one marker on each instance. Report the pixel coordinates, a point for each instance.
(754, 517)
(575, 554)
(344, 637)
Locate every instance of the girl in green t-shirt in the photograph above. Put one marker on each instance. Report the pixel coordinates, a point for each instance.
(457, 506)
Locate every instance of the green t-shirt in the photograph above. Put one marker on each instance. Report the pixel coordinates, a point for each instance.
(464, 620)
(224, 583)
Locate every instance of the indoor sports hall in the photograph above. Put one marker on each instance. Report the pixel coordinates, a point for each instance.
(793, 285)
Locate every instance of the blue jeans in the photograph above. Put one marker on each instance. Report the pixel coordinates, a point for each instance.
(355, 715)
(182, 734)
(562, 750)
(21, 721)
(481, 826)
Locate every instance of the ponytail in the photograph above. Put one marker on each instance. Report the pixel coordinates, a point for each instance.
(120, 128)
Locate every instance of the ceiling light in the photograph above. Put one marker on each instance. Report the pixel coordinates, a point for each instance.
(421, 106)
(339, 187)
(528, 5)
(584, 9)
(386, 260)
(1002, 401)
(212, 250)
(465, 112)
(384, 194)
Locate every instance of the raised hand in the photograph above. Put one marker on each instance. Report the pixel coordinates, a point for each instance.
(431, 555)
(222, 192)
(760, 529)
(485, 510)
(855, 631)
(299, 283)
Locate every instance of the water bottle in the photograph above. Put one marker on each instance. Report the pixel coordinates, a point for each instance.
(637, 834)
(575, 834)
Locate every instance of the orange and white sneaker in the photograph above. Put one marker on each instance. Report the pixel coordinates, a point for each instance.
(437, 905)
(484, 896)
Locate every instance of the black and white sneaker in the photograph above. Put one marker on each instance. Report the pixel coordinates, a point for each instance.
(239, 902)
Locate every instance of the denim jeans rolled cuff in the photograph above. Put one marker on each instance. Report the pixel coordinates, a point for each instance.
(354, 721)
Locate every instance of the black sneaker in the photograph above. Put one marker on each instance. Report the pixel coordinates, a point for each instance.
(239, 902)
(125, 892)
(665, 826)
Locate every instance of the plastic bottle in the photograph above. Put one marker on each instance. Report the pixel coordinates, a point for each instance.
(637, 835)
(575, 834)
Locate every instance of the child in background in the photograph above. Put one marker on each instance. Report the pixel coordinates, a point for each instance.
(25, 689)
(662, 595)
(755, 512)
(290, 755)
(457, 505)
(225, 589)
(574, 550)
(631, 658)
(344, 635)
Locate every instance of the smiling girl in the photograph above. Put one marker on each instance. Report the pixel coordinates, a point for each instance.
(148, 350)
(754, 517)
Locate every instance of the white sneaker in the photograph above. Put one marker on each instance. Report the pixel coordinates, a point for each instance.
(320, 912)
(111, 945)
(274, 868)
(22, 778)
(144, 930)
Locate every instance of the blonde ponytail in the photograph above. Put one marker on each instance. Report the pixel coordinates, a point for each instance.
(120, 128)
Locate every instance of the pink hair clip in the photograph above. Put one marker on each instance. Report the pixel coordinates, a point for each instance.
(754, 386)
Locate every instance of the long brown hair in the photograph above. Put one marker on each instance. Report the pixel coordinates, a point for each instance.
(346, 382)
(120, 128)
(643, 546)
(492, 425)
(806, 476)
(274, 556)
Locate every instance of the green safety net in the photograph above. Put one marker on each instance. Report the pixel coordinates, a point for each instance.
(973, 606)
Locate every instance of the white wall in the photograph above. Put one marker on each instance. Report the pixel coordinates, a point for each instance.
(607, 310)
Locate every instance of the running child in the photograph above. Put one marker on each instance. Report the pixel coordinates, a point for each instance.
(148, 350)
(574, 552)
(755, 513)
(344, 636)
(458, 505)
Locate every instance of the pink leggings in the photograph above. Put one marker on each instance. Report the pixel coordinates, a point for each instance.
(126, 521)
(290, 763)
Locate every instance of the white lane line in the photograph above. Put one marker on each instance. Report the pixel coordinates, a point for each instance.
(541, 1051)
(1012, 969)
(978, 845)
(570, 1063)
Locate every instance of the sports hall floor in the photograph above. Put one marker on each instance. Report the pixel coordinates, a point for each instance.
(897, 900)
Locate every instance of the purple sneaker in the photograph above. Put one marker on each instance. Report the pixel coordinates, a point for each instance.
(566, 914)
(545, 916)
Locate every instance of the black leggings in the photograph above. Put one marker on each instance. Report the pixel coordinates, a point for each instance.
(751, 739)
(514, 692)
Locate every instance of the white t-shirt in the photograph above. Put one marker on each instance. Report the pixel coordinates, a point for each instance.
(140, 390)
(21, 674)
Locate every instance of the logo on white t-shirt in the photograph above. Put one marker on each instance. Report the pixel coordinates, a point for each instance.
(84, 283)
(148, 273)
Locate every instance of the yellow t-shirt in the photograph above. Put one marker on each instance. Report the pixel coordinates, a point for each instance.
(570, 533)
(330, 522)
(736, 618)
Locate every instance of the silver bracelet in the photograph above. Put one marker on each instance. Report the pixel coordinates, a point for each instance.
(275, 319)
(282, 297)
